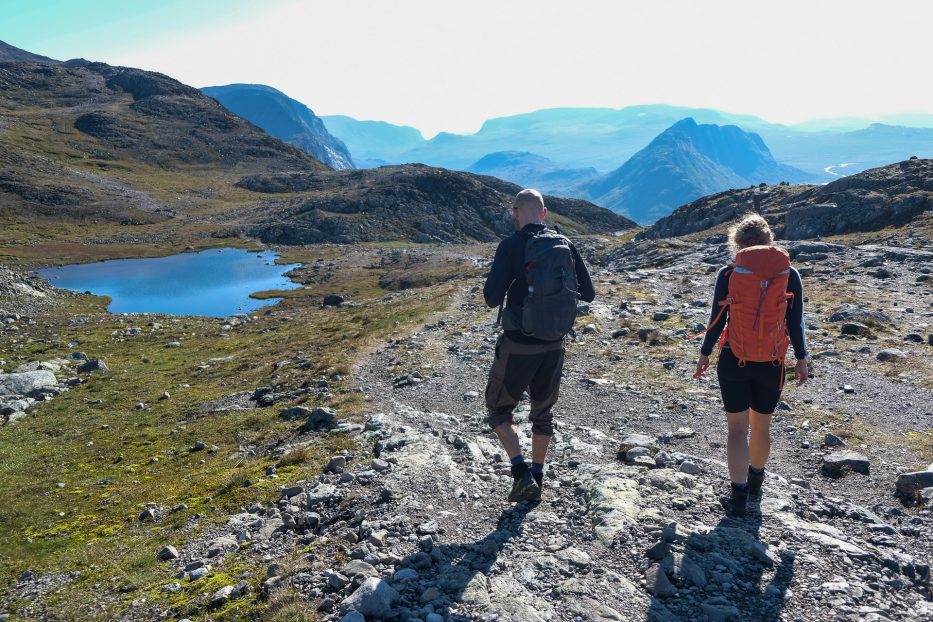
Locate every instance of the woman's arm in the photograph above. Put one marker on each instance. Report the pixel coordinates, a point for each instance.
(720, 292)
(795, 319)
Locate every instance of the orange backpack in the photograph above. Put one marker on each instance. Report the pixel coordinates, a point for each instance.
(757, 301)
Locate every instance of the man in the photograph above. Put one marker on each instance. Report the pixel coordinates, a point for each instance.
(524, 360)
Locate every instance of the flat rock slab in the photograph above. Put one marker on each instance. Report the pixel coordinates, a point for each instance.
(838, 463)
(26, 382)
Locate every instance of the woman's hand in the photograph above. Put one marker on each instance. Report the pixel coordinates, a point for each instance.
(702, 366)
(801, 373)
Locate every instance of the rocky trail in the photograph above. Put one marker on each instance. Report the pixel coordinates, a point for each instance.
(414, 524)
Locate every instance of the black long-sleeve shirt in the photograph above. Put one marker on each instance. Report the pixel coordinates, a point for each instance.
(795, 324)
(507, 277)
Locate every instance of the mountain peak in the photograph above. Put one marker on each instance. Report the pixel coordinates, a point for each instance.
(683, 163)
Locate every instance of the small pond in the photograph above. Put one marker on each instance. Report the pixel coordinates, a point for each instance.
(214, 282)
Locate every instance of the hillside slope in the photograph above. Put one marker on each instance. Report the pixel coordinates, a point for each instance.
(135, 155)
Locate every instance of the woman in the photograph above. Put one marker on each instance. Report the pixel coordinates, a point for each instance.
(758, 300)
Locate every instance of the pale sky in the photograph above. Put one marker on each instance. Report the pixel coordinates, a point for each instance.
(441, 65)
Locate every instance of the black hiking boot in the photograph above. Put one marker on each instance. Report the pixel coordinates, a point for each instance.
(524, 487)
(736, 502)
(539, 480)
(755, 480)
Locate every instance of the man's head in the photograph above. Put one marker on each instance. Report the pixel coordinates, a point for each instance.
(528, 208)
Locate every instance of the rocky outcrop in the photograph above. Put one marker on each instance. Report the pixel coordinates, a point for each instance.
(889, 196)
(412, 202)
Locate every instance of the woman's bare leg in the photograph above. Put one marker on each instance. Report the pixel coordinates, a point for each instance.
(737, 448)
(759, 445)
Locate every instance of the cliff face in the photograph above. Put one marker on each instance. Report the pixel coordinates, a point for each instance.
(284, 118)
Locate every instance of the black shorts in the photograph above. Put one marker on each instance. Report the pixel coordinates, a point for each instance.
(756, 386)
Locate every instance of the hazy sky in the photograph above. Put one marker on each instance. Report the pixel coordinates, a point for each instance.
(440, 65)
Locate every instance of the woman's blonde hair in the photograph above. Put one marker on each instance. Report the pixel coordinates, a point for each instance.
(752, 230)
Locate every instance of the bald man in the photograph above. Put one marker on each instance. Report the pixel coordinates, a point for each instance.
(524, 362)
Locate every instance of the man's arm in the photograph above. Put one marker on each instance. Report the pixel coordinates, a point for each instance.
(499, 279)
(584, 282)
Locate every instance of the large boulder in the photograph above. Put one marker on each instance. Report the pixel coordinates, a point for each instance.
(838, 463)
(909, 485)
(26, 382)
(373, 598)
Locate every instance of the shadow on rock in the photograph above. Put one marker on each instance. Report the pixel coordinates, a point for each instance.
(454, 580)
(717, 575)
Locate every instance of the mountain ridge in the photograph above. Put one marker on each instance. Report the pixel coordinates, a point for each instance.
(127, 153)
(285, 118)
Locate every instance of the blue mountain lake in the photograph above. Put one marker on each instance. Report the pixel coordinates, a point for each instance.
(215, 282)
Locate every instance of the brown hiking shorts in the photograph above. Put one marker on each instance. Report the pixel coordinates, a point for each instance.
(520, 366)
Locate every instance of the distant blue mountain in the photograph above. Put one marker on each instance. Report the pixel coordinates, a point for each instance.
(532, 171)
(284, 118)
(604, 138)
(374, 143)
(683, 163)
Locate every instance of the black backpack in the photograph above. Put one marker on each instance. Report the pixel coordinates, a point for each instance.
(550, 306)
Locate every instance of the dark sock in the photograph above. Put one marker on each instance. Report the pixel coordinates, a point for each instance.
(737, 486)
(752, 469)
(537, 468)
(517, 460)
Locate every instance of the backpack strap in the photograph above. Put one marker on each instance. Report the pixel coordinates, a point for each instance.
(722, 308)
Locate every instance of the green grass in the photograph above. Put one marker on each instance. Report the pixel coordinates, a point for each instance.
(104, 453)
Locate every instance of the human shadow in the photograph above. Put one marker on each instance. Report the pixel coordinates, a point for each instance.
(460, 571)
(718, 576)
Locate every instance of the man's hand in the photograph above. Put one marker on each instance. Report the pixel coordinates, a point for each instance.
(801, 373)
(702, 366)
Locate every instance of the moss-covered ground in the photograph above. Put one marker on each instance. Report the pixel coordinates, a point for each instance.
(77, 472)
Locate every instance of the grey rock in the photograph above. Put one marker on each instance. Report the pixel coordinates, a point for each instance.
(320, 418)
(92, 366)
(374, 598)
(909, 485)
(221, 596)
(26, 382)
(657, 583)
(353, 616)
(198, 573)
(838, 463)
(322, 495)
(855, 328)
(637, 440)
(358, 568)
(167, 553)
(856, 313)
(831, 440)
(689, 468)
(890, 354)
(718, 609)
(294, 412)
(684, 433)
(761, 552)
(333, 300)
